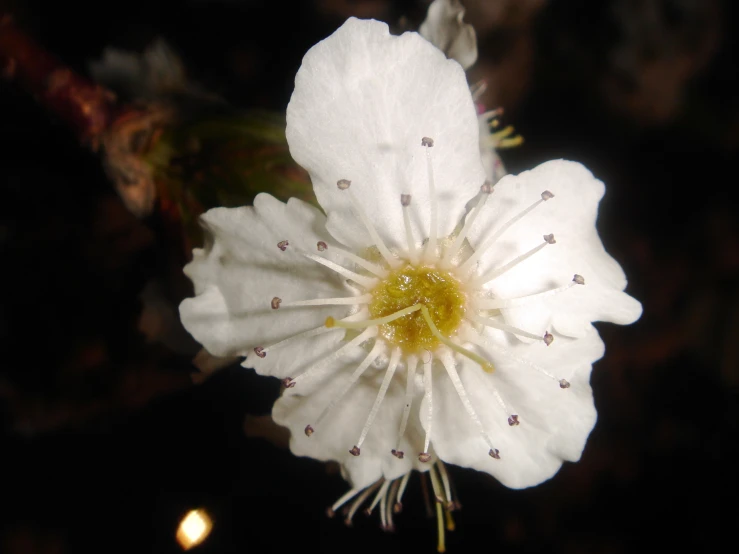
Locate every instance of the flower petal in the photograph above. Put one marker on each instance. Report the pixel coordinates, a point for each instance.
(444, 28)
(554, 422)
(571, 217)
(363, 101)
(242, 269)
(339, 431)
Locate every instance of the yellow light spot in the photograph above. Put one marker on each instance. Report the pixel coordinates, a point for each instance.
(436, 289)
(194, 529)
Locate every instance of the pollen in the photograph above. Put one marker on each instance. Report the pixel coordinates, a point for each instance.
(437, 289)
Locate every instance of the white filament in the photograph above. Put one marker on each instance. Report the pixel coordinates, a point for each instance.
(394, 359)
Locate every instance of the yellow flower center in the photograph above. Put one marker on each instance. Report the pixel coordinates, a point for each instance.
(438, 290)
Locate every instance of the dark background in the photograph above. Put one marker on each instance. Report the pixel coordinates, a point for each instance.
(106, 440)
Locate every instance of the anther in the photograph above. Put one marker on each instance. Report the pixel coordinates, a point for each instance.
(343, 184)
(578, 279)
(486, 188)
(549, 239)
(494, 453)
(564, 384)
(354, 451)
(276, 301)
(546, 195)
(513, 420)
(426, 141)
(288, 382)
(397, 453)
(321, 246)
(405, 200)
(424, 457)
(308, 430)
(548, 338)
(259, 351)
(282, 245)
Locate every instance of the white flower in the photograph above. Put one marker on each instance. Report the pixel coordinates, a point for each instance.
(486, 363)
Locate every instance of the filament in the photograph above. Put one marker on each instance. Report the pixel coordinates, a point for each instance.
(389, 258)
(394, 359)
(366, 282)
(430, 252)
(412, 362)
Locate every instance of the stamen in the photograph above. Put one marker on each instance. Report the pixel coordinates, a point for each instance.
(366, 282)
(447, 485)
(502, 303)
(448, 361)
(489, 345)
(392, 261)
(478, 89)
(350, 300)
(366, 264)
(391, 503)
(546, 195)
(359, 501)
(321, 246)
(383, 509)
(428, 397)
(394, 359)
(356, 341)
(485, 191)
(282, 245)
(495, 273)
(331, 322)
(507, 328)
(341, 501)
(436, 485)
(276, 301)
(261, 351)
(399, 499)
(361, 368)
(405, 201)
(411, 362)
(380, 494)
(430, 252)
(483, 363)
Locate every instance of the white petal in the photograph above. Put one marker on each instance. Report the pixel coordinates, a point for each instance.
(571, 217)
(444, 28)
(339, 431)
(554, 422)
(242, 269)
(363, 101)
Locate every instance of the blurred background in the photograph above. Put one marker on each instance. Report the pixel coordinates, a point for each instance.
(110, 433)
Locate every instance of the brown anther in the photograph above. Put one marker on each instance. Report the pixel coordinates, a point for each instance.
(426, 141)
(397, 453)
(282, 245)
(494, 453)
(259, 351)
(354, 451)
(309, 430)
(348, 522)
(450, 506)
(343, 184)
(398, 507)
(288, 382)
(330, 513)
(321, 246)
(564, 384)
(276, 301)
(424, 457)
(546, 195)
(389, 528)
(486, 188)
(405, 200)
(548, 338)
(578, 279)
(549, 239)
(513, 420)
